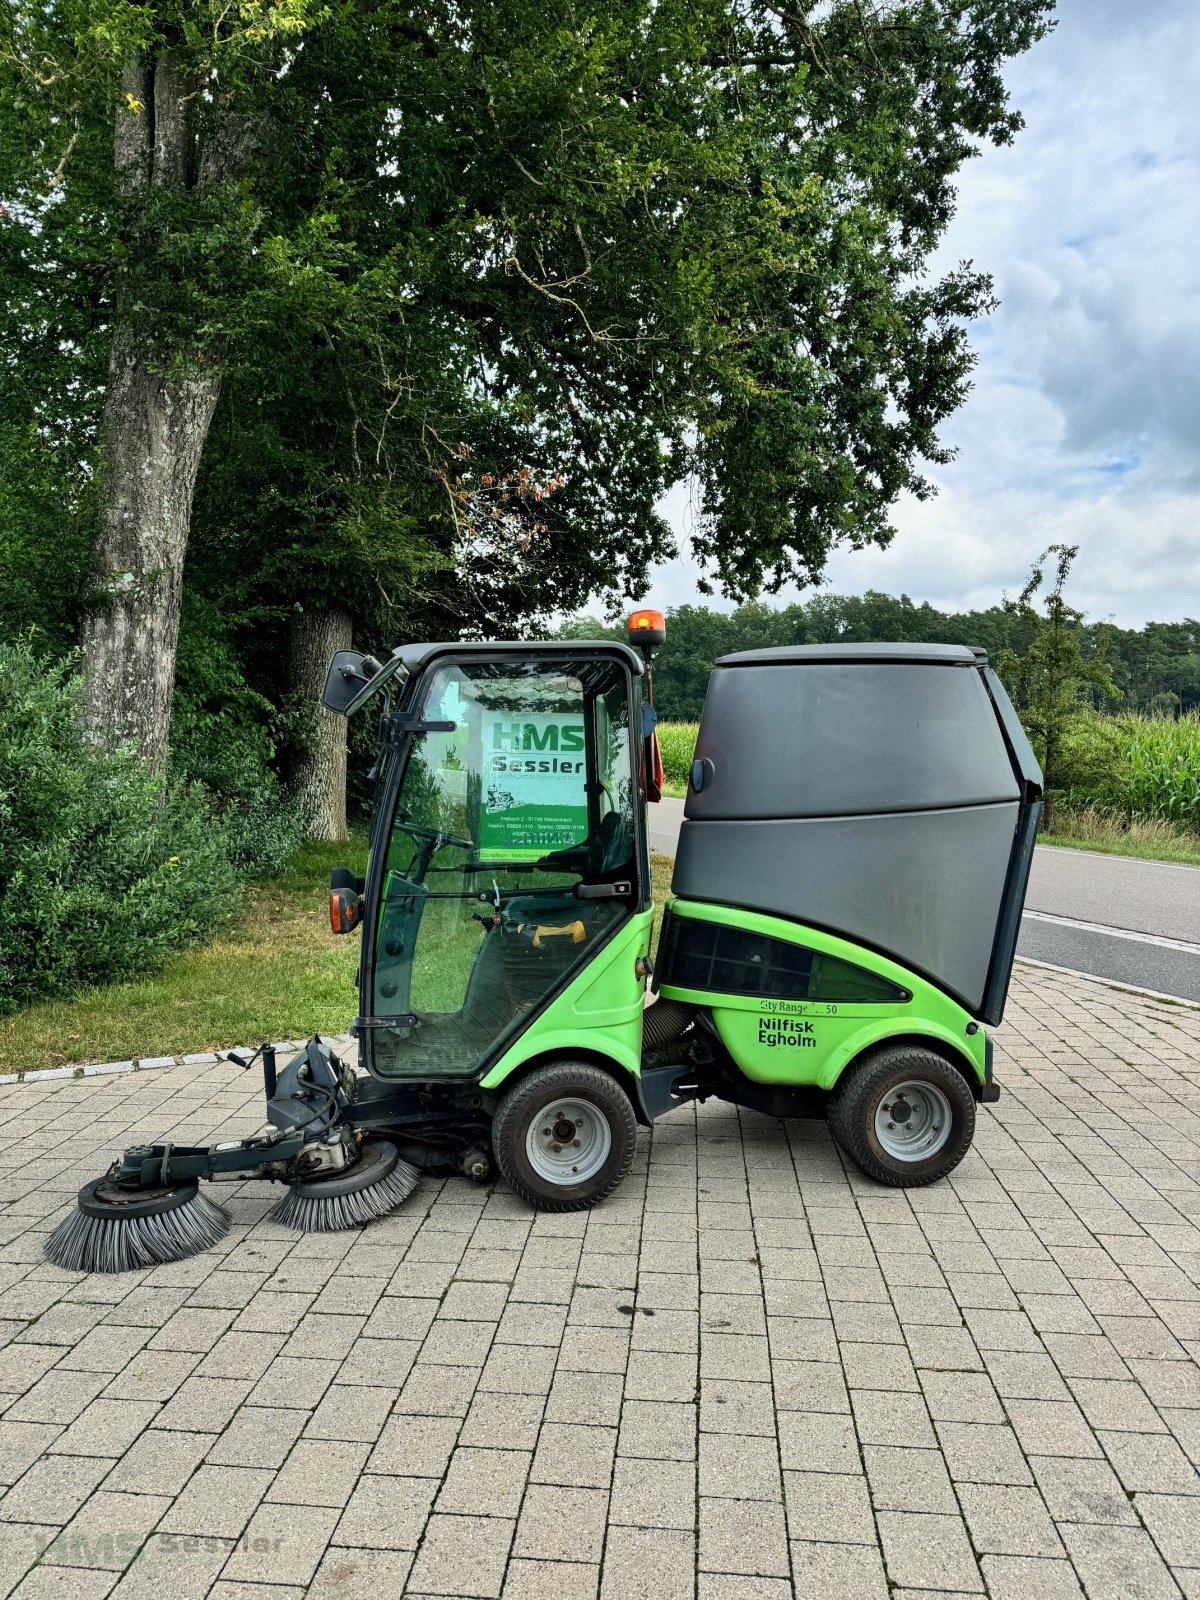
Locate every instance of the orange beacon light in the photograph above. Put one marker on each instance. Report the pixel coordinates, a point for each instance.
(647, 629)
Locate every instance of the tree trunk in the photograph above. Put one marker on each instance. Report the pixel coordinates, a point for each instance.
(155, 430)
(320, 773)
(156, 419)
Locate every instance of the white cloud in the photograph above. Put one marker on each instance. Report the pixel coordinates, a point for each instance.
(1084, 420)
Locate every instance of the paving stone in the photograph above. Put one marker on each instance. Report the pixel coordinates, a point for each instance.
(1037, 1316)
(319, 1473)
(415, 1446)
(110, 1529)
(550, 1580)
(648, 1564)
(851, 1572)
(829, 1507)
(748, 1536)
(809, 1386)
(348, 1574)
(1118, 1563)
(217, 1502)
(823, 1442)
(658, 1429)
(258, 1436)
(575, 1455)
(1052, 1428)
(160, 1462)
(1004, 1520)
(739, 1466)
(49, 1581)
(386, 1513)
(462, 1556)
(203, 1405)
(742, 1408)
(961, 1397)
(281, 1544)
(352, 1412)
(903, 1479)
(928, 1551)
(1029, 1578)
(504, 1421)
(1082, 1491)
(1152, 1461)
(57, 1396)
(487, 1483)
(105, 1428)
(53, 1489)
(887, 1418)
(653, 1494)
(183, 1566)
(1174, 1524)
(586, 1399)
(980, 1452)
(560, 1524)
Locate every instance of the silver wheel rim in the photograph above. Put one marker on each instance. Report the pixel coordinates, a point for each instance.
(568, 1141)
(913, 1120)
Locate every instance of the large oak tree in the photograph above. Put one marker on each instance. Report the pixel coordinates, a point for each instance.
(483, 279)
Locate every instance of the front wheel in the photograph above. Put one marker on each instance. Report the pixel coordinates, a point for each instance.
(565, 1136)
(904, 1115)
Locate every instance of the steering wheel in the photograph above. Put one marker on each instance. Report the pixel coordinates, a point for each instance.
(436, 836)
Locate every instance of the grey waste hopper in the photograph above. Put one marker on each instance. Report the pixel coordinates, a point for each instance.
(886, 793)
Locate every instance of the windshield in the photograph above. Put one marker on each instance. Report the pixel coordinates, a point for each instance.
(499, 820)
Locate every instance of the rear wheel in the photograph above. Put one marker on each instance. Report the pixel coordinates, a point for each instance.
(565, 1136)
(904, 1115)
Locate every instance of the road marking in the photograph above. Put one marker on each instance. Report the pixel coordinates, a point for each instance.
(1115, 933)
(1110, 983)
(1101, 855)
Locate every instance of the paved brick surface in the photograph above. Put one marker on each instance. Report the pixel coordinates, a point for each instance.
(752, 1373)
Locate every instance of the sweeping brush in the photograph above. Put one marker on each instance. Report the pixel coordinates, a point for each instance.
(118, 1230)
(376, 1184)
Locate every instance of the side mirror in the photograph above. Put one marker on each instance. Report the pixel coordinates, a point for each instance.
(349, 674)
(345, 900)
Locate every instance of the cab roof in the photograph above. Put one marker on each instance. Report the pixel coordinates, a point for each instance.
(926, 655)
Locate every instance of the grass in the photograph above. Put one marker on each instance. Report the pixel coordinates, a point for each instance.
(275, 972)
(1145, 838)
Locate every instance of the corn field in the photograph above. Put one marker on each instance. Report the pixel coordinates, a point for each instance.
(1129, 765)
(677, 741)
(1153, 770)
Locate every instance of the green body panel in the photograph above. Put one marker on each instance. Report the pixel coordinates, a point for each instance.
(599, 1010)
(809, 1041)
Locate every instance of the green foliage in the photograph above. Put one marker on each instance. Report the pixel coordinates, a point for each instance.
(697, 636)
(1049, 676)
(46, 509)
(102, 872)
(222, 732)
(484, 279)
(677, 741)
(1135, 766)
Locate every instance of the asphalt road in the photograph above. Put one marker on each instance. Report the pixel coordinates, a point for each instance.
(1135, 922)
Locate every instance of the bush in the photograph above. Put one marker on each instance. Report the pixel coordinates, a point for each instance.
(102, 871)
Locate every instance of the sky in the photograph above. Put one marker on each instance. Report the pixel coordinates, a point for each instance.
(1083, 426)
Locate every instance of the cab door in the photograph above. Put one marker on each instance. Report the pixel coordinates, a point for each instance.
(506, 855)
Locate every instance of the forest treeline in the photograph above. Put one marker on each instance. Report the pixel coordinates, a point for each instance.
(1155, 669)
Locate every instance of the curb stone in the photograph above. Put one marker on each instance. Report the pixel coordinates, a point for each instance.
(203, 1058)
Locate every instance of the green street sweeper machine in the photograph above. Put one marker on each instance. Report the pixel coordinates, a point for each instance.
(847, 895)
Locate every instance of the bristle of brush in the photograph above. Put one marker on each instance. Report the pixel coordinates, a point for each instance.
(83, 1243)
(309, 1213)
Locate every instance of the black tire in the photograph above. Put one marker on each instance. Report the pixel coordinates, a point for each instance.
(529, 1099)
(861, 1091)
